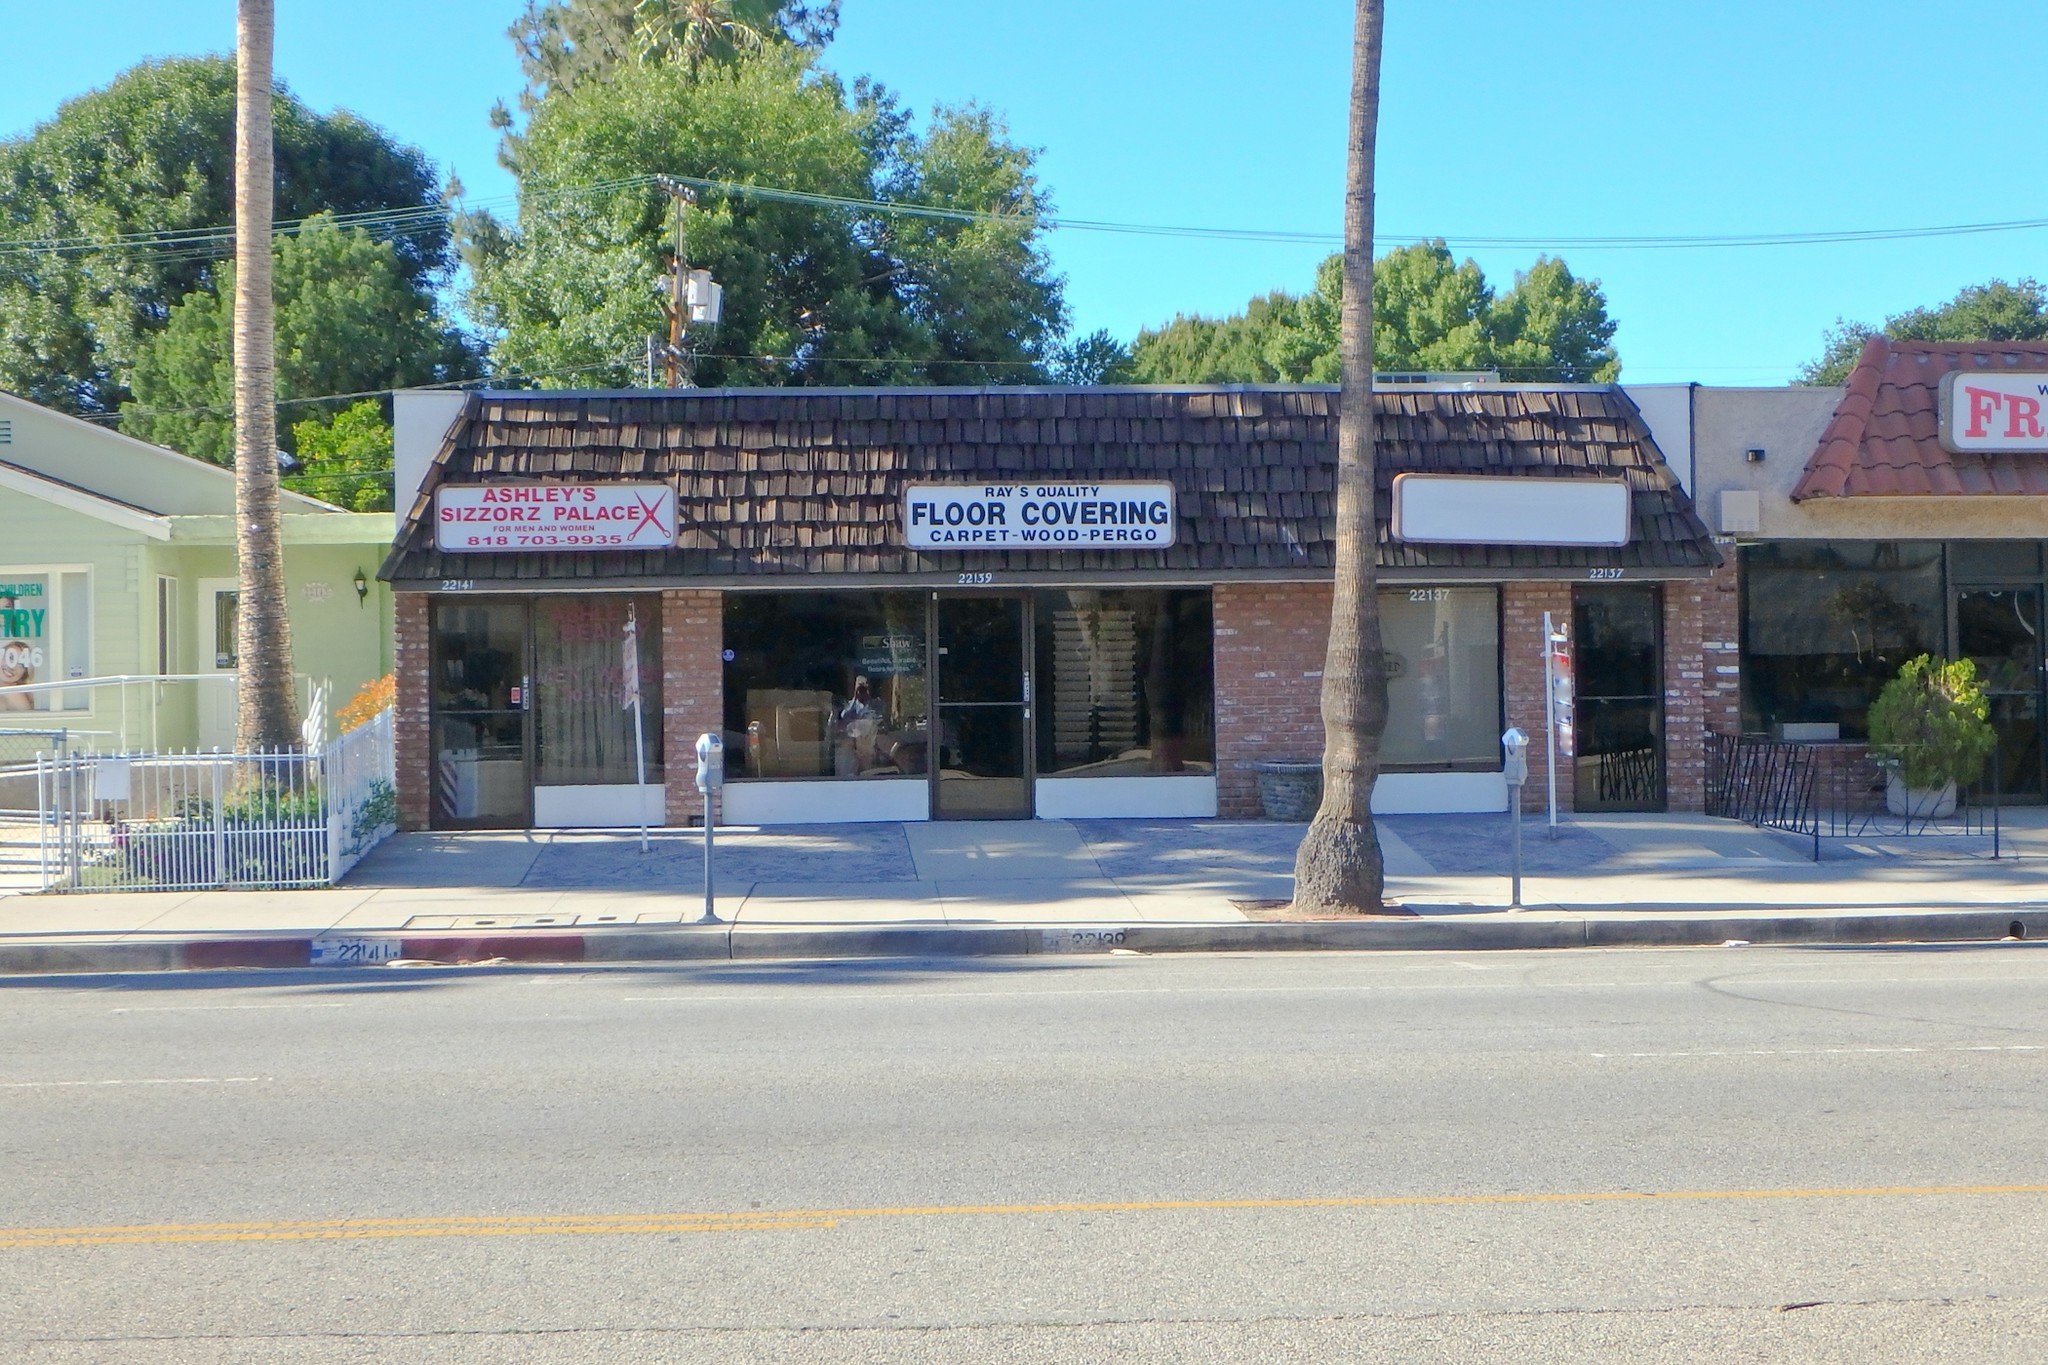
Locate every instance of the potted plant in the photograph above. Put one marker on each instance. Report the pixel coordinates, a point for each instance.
(1931, 728)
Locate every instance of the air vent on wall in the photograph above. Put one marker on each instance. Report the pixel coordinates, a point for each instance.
(6, 433)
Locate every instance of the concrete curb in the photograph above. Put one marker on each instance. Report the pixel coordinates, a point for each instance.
(725, 943)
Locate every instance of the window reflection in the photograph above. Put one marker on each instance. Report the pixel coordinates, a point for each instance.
(1442, 647)
(825, 684)
(1126, 683)
(1826, 624)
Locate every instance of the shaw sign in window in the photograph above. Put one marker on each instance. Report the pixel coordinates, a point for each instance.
(555, 516)
(1029, 516)
(1504, 509)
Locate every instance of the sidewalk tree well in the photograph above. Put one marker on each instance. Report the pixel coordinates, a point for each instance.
(1338, 866)
(1932, 722)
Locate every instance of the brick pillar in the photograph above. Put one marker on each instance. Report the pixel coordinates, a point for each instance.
(692, 692)
(1521, 641)
(1702, 678)
(1271, 640)
(411, 729)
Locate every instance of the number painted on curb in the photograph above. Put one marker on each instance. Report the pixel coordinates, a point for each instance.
(1084, 940)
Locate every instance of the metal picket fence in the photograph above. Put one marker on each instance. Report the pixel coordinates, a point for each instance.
(199, 821)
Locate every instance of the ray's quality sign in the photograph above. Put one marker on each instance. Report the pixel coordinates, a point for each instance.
(1038, 516)
(472, 518)
(1985, 412)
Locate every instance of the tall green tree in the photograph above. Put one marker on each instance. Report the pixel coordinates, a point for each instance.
(814, 292)
(1430, 312)
(1338, 867)
(1982, 312)
(150, 158)
(346, 461)
(350, 318)
(563, 43)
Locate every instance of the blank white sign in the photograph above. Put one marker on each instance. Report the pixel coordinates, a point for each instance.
(1503, 509)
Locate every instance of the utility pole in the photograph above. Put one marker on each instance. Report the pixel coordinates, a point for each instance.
(684, 196)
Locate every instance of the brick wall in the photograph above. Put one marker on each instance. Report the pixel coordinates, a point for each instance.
(1702, 679)
(1271, 639)
(1521, 611)
(411, 731)
(692, 691)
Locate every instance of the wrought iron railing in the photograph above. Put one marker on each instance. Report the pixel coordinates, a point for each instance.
(1835, 791)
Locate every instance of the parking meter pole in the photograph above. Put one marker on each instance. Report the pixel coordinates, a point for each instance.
(710, 778)
(1514, 764)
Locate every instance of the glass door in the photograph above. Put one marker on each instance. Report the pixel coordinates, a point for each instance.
(1617, 679)
(983, 770)
(1999, 629)
(482, 700)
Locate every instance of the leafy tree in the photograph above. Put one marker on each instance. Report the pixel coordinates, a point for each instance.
(814, 292)
(1983, 312)
(349, 319)
(1097, 358)
(563, 43)
(1429, 313)
(152, 153)
(346, 461)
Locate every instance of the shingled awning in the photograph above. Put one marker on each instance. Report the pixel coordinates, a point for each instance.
(781, 484)
(1884, 440)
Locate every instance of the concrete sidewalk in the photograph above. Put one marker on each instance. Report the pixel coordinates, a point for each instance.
(1047, 885)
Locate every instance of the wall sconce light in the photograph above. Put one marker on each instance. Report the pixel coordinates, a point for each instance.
(362, 588)
(1755, 454)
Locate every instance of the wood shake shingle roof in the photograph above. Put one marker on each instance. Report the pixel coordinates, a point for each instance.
(784, 483)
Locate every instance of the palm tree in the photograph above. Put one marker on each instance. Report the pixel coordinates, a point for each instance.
(692, 32)
(1338, 867)
(266, 717)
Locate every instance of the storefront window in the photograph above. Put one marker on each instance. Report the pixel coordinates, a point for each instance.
(828, 684)
(1442, 647)
(45, 637)
(1126, 684)
(1826, 624)
(583, 727)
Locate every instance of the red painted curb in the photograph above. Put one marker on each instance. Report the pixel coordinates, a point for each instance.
(250, 952)
(512, 948)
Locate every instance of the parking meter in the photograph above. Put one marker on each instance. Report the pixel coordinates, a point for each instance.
(1515, 756)
(710, 778)
(710, 763)
(1514, 751)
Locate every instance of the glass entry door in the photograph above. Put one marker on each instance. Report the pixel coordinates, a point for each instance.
(482, 701)
(1999, 629)
(983, 769)
(1618, 683)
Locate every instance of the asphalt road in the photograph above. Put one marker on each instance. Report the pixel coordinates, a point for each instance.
(1729, 1154)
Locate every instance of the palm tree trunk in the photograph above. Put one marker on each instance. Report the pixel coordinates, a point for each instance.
(266, 716)
(1338, 867)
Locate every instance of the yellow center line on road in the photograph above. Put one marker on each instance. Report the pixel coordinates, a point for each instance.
(625, 1224)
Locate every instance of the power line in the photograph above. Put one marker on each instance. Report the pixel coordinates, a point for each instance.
(208, 243)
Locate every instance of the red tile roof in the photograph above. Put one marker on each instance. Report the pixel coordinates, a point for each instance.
(1883, 442)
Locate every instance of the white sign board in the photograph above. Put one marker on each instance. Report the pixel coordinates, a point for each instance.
(1038, 516)
(472, 518)
(1504, 509)
(1985, 413)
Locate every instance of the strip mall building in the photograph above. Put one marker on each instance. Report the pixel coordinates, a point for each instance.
(1006, 603)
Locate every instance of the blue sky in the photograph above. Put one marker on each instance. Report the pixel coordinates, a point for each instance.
(1587, 118)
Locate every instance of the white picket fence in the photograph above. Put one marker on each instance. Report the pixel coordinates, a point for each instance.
(198, 821)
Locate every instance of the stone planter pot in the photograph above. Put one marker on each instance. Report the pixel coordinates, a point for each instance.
(1289, 791)
(1917, 803)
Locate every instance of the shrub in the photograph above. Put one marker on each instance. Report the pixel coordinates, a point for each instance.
(364, 707)
(1933, 722)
